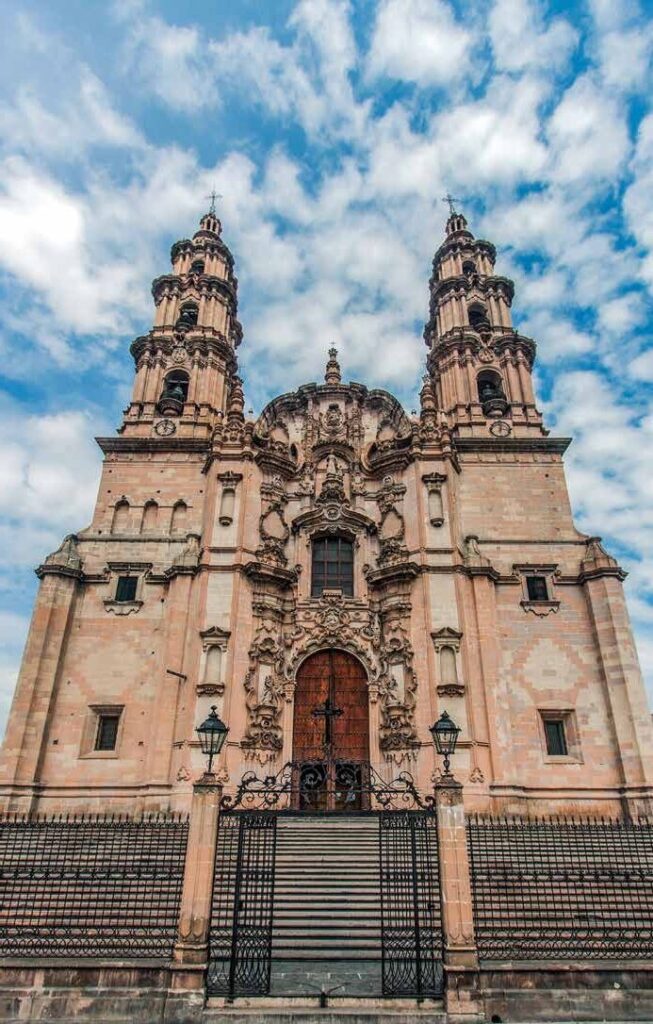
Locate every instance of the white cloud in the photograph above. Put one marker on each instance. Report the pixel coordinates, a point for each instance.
(496, 139)
(520, 39)
(588, 133)
(641, 368)
(172, 61)
(418, 41)
(85, 118)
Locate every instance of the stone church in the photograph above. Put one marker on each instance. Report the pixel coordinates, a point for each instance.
(338, 555)
(332, 590)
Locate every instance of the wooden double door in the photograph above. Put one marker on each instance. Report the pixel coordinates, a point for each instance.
(331, 733)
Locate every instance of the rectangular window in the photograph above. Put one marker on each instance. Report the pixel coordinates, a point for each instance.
(126, 589)
(332, 566)
(537, 588)
(556, 739)
(107, 731)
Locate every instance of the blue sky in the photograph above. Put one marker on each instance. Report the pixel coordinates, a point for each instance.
(332, 129)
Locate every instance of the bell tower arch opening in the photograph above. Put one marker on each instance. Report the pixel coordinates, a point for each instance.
(331, 733)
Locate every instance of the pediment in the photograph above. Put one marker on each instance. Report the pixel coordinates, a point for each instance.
(332, 518)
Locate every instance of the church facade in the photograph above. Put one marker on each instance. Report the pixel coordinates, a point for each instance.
(332, 577)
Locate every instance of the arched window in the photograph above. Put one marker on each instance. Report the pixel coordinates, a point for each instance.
(227, 502)
(150, 519)
(213, 666)
(120, 521)
(478, 317)
(179, 521)
(448, 671)
(469, 268)
(188, 315)
(175, 393)
(332, 566)
(197, 267)
(490, 387)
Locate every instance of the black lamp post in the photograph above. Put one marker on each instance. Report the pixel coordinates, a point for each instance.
(212, 733)
(445, 736)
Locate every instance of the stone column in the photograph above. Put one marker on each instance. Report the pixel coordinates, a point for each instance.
(623, 685)
(192, 942)
(462, 1000)
(185, 1000)
(181, 576)
(39, 676)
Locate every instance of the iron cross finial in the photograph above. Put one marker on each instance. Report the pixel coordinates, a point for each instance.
(213, 196)
(451, 200)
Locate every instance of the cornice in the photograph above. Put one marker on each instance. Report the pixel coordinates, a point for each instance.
(483, 283)
(464, 241)
(511, 445)
(154, 444)
(206, 340)
(211, 244)
(178, 283)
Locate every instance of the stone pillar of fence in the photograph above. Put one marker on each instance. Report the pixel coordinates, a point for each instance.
(462, 995)
(192, 945)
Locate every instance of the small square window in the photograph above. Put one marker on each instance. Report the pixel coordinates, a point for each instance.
(555, 736)
(126, 588)
(536, 588)
(106, 736)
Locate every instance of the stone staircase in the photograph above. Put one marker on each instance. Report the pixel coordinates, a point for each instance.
(327, 913)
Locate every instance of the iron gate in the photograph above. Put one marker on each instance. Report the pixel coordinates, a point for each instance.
(411, 924)
(410, 939)
(243, 894)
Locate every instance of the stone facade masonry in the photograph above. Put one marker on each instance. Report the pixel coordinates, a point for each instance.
(449, 512)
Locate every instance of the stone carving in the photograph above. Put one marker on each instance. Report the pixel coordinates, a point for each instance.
(189, 557)
(264, 692)
(306, 480)
(332, 374)
(476, 775)
(234, 428)
(392, 527)
(67, 555)
(274, 533)
(397, 683)
(183, 774)
(428, 426)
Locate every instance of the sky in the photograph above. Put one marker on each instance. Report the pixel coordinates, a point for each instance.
(331, 129)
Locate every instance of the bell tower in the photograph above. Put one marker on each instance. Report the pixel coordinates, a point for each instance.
(185, 364)
(479, 365)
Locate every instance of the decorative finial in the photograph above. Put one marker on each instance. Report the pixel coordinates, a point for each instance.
(213, 196)
(332, 375)
(451, 200)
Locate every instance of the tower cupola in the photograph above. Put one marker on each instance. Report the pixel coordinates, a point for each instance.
(480, 366)
(185, 364)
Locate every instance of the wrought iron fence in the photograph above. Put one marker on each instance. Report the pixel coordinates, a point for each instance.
(327, 785)
(91, 885)
(562, 888)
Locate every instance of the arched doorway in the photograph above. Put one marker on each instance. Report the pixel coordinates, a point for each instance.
(331, 733)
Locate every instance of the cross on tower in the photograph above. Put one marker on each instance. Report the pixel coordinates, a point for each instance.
(451, 200)
(328, 711)
(213, 196)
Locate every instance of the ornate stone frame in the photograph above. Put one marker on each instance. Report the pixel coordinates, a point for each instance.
(214, 636)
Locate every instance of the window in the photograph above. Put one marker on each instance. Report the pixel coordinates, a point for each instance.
(126, 588)
(555, 737)
(188, 315)
(176, 385)
(197, 267)
(333, 566)
(536, 588)
(478, 318)
(106, 736)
